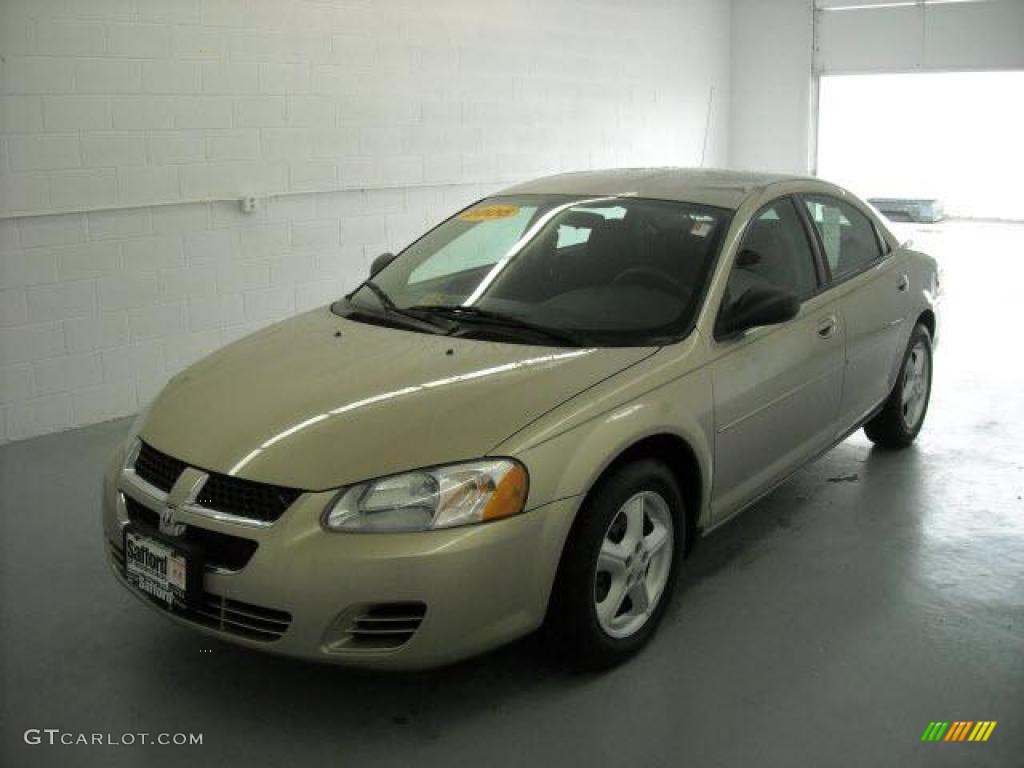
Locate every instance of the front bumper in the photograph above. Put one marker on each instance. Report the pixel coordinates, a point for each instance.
(304, 589)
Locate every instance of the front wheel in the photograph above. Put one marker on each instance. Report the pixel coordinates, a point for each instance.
(902, 416)
(619, 565)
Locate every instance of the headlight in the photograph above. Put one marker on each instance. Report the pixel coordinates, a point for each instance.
(441, 497)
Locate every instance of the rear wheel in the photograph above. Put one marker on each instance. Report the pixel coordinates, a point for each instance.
(619, 566)
(902, 416)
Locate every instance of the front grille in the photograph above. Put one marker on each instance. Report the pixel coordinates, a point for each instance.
(234, 617)
(158, 469)
(141, 515)
(219, 549)
(384, 626)
(245, 498)
(231, 495)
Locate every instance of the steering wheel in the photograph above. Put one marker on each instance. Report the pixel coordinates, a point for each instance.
(652, 277)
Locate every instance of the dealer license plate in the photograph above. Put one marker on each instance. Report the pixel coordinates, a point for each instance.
(154, 567)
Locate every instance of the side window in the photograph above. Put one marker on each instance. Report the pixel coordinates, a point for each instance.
(774, 252)
(849, 237)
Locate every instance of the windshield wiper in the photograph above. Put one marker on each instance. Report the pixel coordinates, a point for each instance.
(390, 308)
(382, 296)
(461, 312)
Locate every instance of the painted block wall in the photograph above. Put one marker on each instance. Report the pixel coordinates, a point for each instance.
(770, 119)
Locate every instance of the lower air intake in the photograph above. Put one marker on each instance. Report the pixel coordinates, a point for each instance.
(380, 627)
(254, 622)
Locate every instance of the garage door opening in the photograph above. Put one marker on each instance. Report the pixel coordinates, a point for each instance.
(952, 136)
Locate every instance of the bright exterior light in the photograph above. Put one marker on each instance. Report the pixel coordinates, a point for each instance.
(440, 497)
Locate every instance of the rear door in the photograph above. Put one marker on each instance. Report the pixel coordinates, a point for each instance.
(872, 287)
(776, 388)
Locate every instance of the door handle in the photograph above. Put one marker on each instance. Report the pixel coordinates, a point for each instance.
(903, 284)
(827, 327)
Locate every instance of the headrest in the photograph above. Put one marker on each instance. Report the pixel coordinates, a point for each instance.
(764, 236)
(582, 220)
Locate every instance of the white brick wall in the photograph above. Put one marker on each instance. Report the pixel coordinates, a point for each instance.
(135, 125)
(98, 310)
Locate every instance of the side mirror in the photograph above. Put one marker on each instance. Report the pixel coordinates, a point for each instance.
(761, 305)
(380, 262)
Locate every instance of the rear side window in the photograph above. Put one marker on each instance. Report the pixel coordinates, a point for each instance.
(848, 236)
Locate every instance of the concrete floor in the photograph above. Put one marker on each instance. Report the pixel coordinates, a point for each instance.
(827, 626)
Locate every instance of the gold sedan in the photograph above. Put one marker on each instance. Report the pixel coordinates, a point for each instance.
(524, 419)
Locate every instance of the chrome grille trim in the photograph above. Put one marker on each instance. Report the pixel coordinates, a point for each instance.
(217, 559)
(225, 517)
(186, 489)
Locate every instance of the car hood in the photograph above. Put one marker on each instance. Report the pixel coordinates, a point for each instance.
(319, 401)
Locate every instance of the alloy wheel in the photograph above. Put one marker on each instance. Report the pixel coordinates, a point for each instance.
(916, 383)
(633, 565)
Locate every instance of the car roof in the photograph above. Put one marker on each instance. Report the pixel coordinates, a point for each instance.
(706, 186)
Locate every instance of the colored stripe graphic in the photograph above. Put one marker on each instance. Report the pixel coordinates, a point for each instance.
(935, 730)
(983, 730)
(958, 730)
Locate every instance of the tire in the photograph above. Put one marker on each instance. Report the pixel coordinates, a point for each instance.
(587, 622)
(902, 416)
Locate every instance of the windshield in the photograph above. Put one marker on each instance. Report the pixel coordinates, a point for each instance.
(604, 271)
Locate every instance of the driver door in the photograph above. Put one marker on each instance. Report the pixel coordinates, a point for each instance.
(777, 388)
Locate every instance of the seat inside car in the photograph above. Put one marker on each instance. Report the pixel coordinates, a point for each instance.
(596, 260)
(607, 251)
(674, 246)
(857, 247)
(771, 241)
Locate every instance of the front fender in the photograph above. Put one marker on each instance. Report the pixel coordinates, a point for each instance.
(568, 449)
